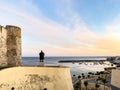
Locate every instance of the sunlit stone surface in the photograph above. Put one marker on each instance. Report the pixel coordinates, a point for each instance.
(36, 78)
(10, 46)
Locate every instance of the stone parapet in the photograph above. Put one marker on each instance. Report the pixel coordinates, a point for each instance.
(36, 78)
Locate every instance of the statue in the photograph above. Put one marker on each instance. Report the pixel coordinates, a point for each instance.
(41, 56)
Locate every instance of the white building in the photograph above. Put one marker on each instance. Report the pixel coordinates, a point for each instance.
(115, 79)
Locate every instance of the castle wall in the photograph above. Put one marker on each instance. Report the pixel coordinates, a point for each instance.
(36, 78)
(10, 45)
(3, 46)
(13, 45)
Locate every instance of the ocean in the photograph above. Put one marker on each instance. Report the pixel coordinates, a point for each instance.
(75, 68)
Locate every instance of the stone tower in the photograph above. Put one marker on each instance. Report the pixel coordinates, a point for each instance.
(3, 46)
(10, 46)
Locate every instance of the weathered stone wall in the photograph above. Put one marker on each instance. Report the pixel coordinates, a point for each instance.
(36, 78)
(115, 80)
(10, 46)
(3, 46)
(13, 45)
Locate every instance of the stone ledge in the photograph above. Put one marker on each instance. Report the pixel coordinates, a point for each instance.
(12, 26)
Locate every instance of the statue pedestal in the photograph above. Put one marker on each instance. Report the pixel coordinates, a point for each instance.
(41, 64)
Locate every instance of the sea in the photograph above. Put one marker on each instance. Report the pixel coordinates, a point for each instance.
(76, 68)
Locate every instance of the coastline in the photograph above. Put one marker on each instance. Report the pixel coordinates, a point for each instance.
(75, 68)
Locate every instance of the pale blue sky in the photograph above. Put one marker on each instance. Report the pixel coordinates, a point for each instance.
(65, 27)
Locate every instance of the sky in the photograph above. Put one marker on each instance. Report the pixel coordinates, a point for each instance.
(65, 27)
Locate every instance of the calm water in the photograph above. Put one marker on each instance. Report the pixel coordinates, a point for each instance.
(75, 68)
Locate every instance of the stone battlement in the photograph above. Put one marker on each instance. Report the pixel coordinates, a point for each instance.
(10, 46)
(11, 26)
(36, 78)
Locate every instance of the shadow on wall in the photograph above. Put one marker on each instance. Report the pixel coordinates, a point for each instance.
(114, 88)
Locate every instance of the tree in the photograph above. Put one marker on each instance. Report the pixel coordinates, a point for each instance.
(99, 78)
(86, 84)
(82, 74)
(104, 82)
(79, 77)
(77, 86)
(89, 72)
(102, 72)
(88, 76)
(97, 86)
(74, 75)
(97, 73)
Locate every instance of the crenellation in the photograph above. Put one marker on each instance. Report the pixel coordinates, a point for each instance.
(10, 45)
(12, 26)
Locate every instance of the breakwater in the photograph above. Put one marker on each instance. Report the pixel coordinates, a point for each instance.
(69, 61)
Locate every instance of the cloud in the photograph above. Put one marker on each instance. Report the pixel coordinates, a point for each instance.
(44, 33)
(70, 36)
(110, 43)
